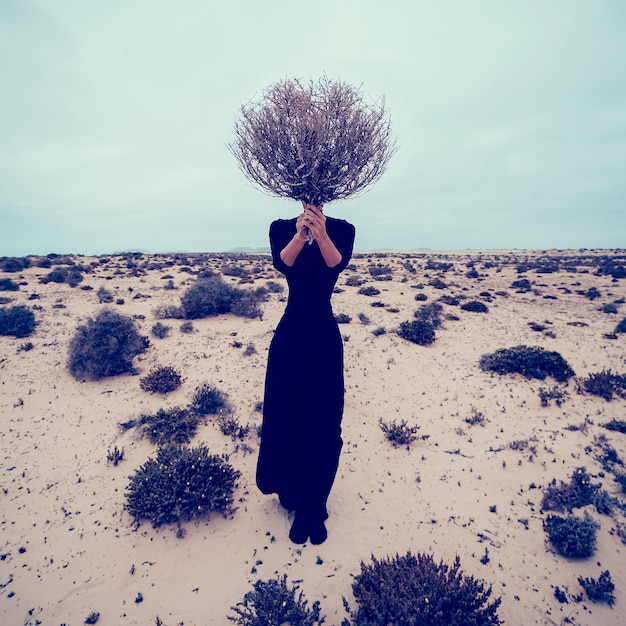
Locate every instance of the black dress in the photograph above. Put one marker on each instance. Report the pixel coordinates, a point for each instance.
(304, 389)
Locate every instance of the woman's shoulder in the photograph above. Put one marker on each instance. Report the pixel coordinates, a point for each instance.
(339, 224)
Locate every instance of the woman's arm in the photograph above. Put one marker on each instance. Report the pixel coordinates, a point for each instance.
(313, 219)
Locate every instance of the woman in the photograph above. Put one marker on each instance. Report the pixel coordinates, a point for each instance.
(303, 405)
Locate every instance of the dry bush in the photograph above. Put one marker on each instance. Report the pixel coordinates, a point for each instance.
(316, 141)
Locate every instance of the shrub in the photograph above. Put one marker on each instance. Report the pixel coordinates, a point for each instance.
(105, 296)
(475, 306)
(616, 425)
(161, 380)
(430, 313)
(604, 384)
(6, 284)
(181, 484)
(572, 536)
(437, 283)
(12, 265)
(554, 393)
(343, 318)
(600, 590)
(369, 291)
(274, 287)
(160, 331)
(532, 362)
(416, 590)
(621, 327)
(417, 331)
(207, 400)
(354, 281)
(229, 425)
(523, 284)
(18, 321)
(577, 493)
(212, 296)
(186, 327)
(400, 434)
(105, 346)
(273, 602)
(166, 427)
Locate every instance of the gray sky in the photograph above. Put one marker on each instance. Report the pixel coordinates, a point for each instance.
(114, 119)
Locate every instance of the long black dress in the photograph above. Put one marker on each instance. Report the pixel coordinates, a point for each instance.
(304, 388)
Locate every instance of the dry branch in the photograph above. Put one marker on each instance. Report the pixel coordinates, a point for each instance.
(315, 142)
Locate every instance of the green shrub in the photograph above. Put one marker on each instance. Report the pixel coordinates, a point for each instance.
(553, 393)
(166, 427)
(430, 313)
(604, 384)
(181, 484)
(523, 284)
(600, 590)
(621, 326)
(475, 306)
(212, 296)
(12, 265)
(417, 331)
(416, 590)
(105, 346)
(160, 331)
(572, 536)
(18, 321)
(530, 362)
(207, 400)
(616, 425)
(400, 434)
(343, 318)
(161, 380)
(272, 602)
(577, 493)
(105, 296)
(369, 291)
(6, 284)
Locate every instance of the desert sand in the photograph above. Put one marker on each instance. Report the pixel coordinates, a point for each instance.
(68, 547)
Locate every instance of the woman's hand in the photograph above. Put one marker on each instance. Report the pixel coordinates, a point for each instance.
(314, 220)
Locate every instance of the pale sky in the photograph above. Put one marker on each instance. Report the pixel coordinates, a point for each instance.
(115, 116)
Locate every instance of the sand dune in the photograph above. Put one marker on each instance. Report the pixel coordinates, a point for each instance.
(68, 547)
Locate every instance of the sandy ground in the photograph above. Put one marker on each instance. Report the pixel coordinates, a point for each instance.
(68, 547)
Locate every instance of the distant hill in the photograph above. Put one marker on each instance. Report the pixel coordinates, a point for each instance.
(246, 249)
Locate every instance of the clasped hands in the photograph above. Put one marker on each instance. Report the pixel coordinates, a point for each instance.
(313, 219)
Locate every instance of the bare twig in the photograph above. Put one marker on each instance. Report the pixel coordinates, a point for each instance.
(315, 142)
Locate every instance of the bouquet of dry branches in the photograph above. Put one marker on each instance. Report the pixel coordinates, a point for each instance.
(316, 141)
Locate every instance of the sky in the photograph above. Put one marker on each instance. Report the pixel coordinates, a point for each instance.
(115, 120)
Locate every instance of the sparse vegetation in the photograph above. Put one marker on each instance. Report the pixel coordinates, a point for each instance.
(579, 492)
(415, 590)
(572, 536)
(553, 393)
(208, 400)
(604, 384)
(273, 602)
(212, 296)
(105, 346)
(161, 380)
(6, 284)
(17, 321)
(160, 330)
(417, 331)
(530, 362)
(369, 291)
(600, 590)
(475, 306)
(400, 433)
(167, 427)
(181, 484)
